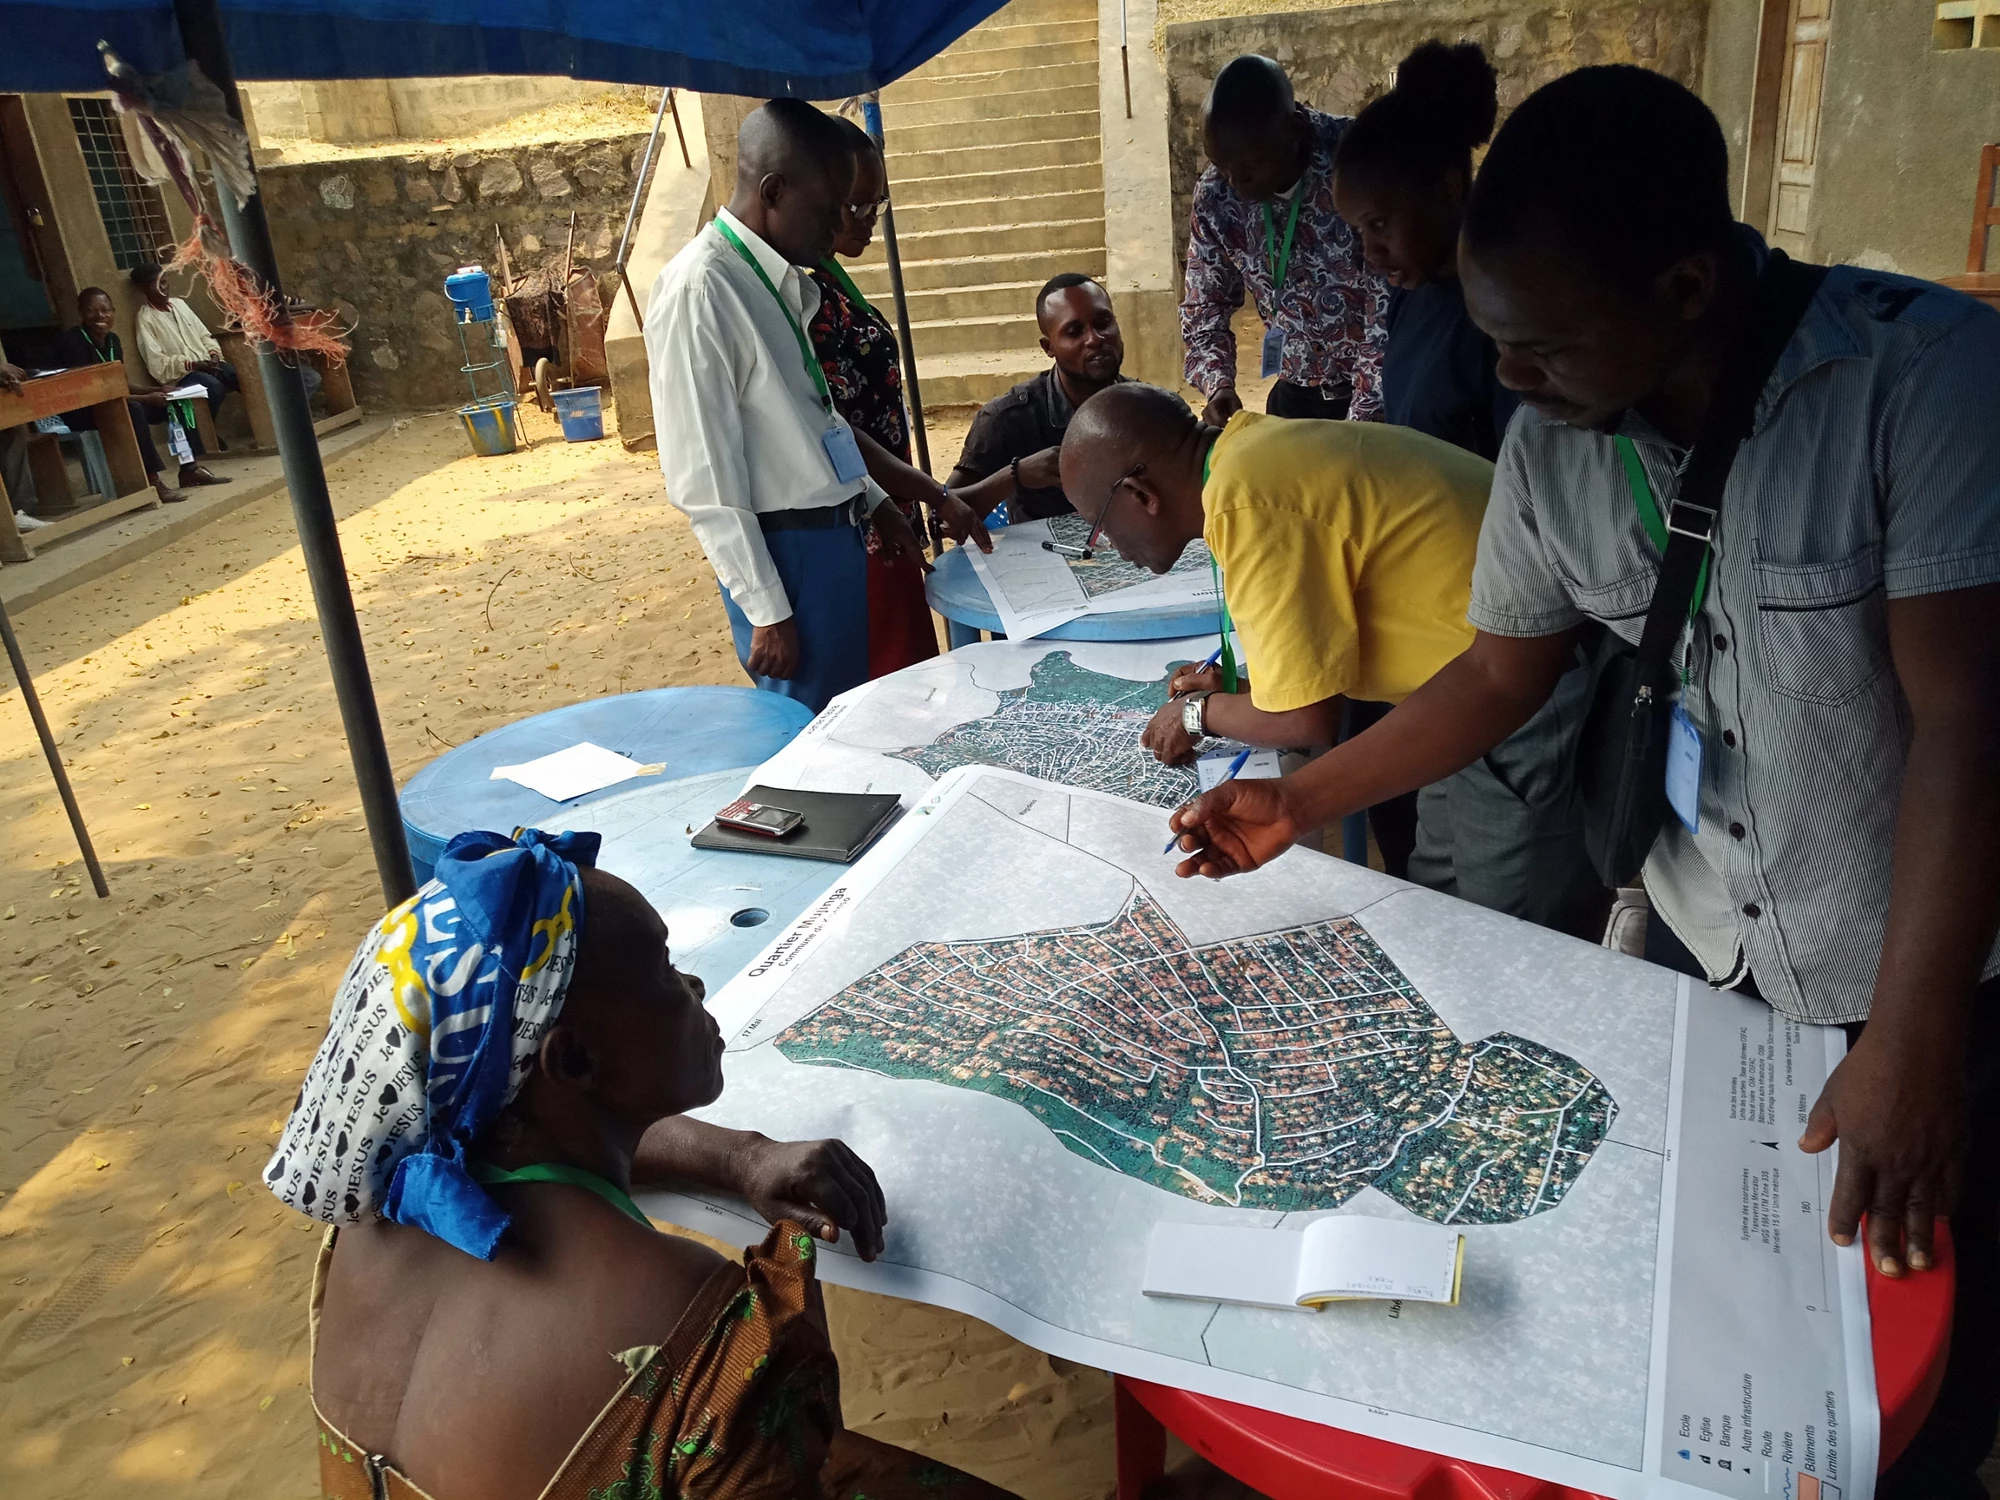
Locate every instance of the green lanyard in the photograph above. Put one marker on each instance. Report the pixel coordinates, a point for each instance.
(1280, 261)
(805, 344)
(1656, 526)
(550, 1171)
(834, 269)
(1221, 599)
(105, 355)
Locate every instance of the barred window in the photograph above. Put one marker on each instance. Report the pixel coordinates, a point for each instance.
(133, 213)
(1966, 23)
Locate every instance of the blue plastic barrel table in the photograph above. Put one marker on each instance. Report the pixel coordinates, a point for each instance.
(691, 730)
(721, 908)
(955, 591)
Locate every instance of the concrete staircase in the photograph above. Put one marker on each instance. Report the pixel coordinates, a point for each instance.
(996, 168)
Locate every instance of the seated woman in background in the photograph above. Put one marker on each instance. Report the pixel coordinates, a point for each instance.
(492, 1316)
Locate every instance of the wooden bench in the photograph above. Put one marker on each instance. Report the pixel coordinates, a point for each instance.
(336, 391)
(102, 388)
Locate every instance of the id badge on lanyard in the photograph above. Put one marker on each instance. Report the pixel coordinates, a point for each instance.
(1279, 260)
(842, 451)
(845, 453)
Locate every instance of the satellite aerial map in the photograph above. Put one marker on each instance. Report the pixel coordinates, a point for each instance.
(1069, 725)
(1106, 572)
(1281, 1070)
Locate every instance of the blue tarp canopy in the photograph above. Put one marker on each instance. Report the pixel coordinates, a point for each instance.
(812, 49)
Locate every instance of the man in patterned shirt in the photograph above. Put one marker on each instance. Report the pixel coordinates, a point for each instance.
(1264, 219)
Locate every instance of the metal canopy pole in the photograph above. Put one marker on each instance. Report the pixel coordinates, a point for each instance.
(34, 702)
(312, 507)
(871, 117)
(638, 192)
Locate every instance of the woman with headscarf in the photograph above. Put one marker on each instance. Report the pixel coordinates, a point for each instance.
(857, 350)
(493, 1318)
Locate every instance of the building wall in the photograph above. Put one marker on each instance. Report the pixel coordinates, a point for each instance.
(373, 238)
(86, 246)
(1901, 125)
(383, 109)
(1341, 57)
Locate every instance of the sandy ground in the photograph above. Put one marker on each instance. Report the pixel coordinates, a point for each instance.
(152, 1294)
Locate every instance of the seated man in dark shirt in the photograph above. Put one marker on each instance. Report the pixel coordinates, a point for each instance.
(1011, 453)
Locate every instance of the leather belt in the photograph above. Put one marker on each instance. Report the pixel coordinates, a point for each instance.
(820, 518)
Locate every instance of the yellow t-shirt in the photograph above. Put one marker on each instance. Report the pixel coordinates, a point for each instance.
(1346, 552)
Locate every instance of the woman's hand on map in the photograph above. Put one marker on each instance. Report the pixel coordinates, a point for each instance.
(1167, 737)
(821, 1185)
(959, 521)
(1897, 1107)
(1235, 828)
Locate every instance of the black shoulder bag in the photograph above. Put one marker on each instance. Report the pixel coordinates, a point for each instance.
(1621, 760)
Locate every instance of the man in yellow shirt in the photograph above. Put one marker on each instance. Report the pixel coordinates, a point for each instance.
(1346, 550)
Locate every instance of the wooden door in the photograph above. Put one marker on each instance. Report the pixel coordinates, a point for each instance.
(1797, 137)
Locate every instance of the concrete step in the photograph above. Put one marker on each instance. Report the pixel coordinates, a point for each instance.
(978, 109)
(1038, 13)
(942, 169)
(954, 135)
(996, 299)
(1012, 265)
(1076, 177)
(1080, 72)
(975, 335)
(995, 239)
(974, 379)
(960, 60)
(1022, 203)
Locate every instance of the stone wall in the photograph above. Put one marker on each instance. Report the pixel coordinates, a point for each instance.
(1341, 57)
(382, 109)
(374, 237)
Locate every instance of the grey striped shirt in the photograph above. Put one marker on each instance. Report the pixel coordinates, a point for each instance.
(1872, 473)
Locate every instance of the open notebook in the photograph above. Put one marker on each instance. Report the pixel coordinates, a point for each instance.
(1331, 1259)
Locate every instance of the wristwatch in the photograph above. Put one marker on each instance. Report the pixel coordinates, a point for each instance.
(1193, 706)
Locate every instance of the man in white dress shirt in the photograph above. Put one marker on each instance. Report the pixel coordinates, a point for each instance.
(767, 472)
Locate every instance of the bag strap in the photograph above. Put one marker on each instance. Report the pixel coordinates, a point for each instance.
(1783, 292)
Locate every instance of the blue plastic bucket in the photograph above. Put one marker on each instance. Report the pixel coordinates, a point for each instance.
(491, 426)
(581, 413)
(471, 292)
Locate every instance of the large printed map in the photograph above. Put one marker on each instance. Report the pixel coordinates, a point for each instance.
(1069, 724)
(1286, 1070)
(1106, 571)
(1045, 1045)
(1066, 711)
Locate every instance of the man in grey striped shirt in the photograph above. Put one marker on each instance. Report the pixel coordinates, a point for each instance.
(1843, 669)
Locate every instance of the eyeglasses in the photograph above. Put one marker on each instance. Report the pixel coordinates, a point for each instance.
(1097, 530)
(868, 210)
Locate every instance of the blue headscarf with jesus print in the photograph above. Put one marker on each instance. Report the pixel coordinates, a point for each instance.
(434, 1027)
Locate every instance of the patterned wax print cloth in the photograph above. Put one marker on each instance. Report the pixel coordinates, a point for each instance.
(742, 1402)
(857, 351)
(1333, 308)
(433, 1029)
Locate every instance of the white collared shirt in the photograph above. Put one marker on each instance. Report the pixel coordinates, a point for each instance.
(739, 418)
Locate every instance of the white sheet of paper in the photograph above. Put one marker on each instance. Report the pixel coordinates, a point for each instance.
(1213, 766)
(185, 393)
(575, 772)
(1031, 588)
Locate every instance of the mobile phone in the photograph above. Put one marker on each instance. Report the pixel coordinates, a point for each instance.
(745, 816)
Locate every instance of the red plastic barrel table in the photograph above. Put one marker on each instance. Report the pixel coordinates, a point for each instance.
(1290, 1459)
